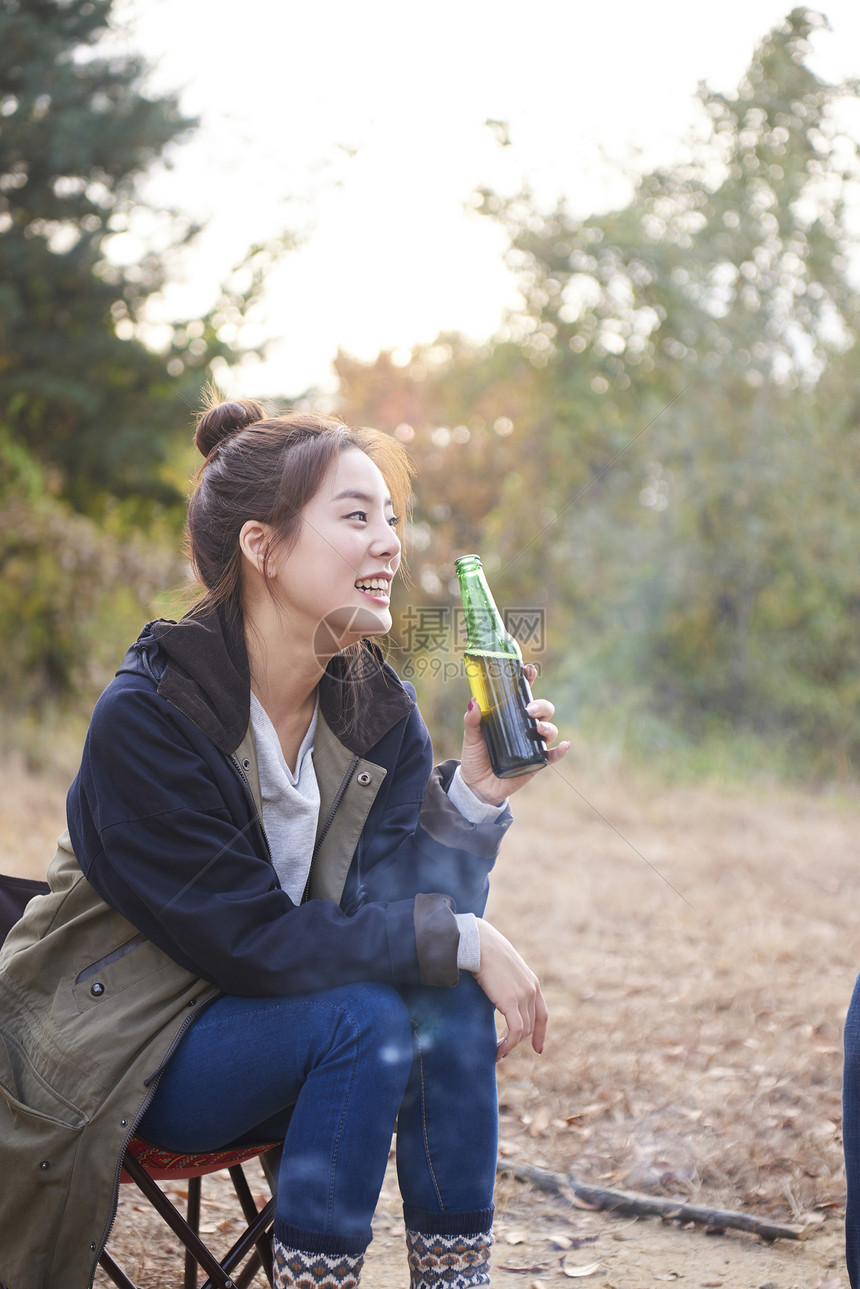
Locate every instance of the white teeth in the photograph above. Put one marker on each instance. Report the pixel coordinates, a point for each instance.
(373, 584)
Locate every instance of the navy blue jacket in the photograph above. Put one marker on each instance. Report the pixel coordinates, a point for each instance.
(165, 828)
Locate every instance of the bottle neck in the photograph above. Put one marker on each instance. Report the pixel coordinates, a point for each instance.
(485, 628)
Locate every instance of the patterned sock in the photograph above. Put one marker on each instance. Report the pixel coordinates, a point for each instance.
(299, 1269)
(448, 1261)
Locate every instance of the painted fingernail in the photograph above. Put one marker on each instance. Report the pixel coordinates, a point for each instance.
(471, 704)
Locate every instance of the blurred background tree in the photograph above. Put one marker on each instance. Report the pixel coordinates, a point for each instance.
(658, 450)
(93, 419)
(661, 449)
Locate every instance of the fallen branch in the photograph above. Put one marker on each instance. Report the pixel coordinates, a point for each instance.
(648, 1205)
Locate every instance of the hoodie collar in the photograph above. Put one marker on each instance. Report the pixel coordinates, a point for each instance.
(207, 676)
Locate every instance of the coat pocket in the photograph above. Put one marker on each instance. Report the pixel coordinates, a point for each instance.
(128, 965)
(26, 1092)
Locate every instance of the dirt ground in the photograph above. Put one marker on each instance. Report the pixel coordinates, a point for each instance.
(697, 947)
(541, 1242)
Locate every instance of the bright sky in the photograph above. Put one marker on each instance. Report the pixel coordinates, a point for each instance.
(366, 123)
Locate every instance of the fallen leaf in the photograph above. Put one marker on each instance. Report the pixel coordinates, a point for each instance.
(538, 1123)
(672, 1275)
(514, 1237)
(560, 1241)
(574, 1271)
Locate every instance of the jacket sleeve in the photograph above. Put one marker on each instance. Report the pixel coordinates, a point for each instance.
(417, 840)
(165, 832)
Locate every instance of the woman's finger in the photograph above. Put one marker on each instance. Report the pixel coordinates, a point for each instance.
(547, 731)
(540, 1022)
(516, 1031)
(541, 708)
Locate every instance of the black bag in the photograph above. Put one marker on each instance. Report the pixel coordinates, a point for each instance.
(15, 895)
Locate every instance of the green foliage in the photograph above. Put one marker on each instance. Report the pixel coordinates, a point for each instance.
(78, 387)
(93, 421)
(71, 599)
(75, 134)
(675, 470)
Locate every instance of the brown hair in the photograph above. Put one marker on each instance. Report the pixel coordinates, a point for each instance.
(268, 469)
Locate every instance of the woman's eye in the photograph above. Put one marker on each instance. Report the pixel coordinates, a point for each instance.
(361, 517)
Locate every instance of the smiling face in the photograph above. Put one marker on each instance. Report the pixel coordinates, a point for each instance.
(334, 583)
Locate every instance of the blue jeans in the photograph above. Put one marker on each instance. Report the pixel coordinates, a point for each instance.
(331, 1073)
(851, 1135)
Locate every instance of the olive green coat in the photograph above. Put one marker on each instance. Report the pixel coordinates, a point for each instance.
(77, 1067)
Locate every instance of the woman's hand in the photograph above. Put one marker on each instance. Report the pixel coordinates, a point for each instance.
(513, 989)
(475, 768)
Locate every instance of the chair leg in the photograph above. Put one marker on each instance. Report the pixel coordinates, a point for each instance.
(116, 1273)
(249, 1271)
(255, 1241)
(218, 1277)
(262, 1224)
(249, 1208)
(193, 1211)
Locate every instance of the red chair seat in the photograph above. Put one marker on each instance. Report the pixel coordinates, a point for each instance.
(164, 1165)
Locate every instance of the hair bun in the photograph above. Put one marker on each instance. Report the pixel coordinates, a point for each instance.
(223, 420)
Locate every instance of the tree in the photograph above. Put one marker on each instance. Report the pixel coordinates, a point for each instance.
(679, 477)
(717, 299)
(92, 420)
(79, 391)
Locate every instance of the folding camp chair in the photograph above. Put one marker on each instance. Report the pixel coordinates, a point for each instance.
(146, 1165)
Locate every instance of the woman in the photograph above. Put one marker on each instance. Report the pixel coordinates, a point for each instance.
(265, 917)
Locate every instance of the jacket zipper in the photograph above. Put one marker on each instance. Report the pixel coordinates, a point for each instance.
(360, 892)
(237, 764)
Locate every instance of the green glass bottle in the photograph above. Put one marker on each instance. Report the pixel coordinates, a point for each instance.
(494, 666)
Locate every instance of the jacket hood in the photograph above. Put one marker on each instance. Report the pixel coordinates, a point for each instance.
(200, 665)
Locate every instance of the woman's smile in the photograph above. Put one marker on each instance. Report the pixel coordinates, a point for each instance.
(376, 588)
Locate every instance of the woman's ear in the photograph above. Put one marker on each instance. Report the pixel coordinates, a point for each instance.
(254, 538)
